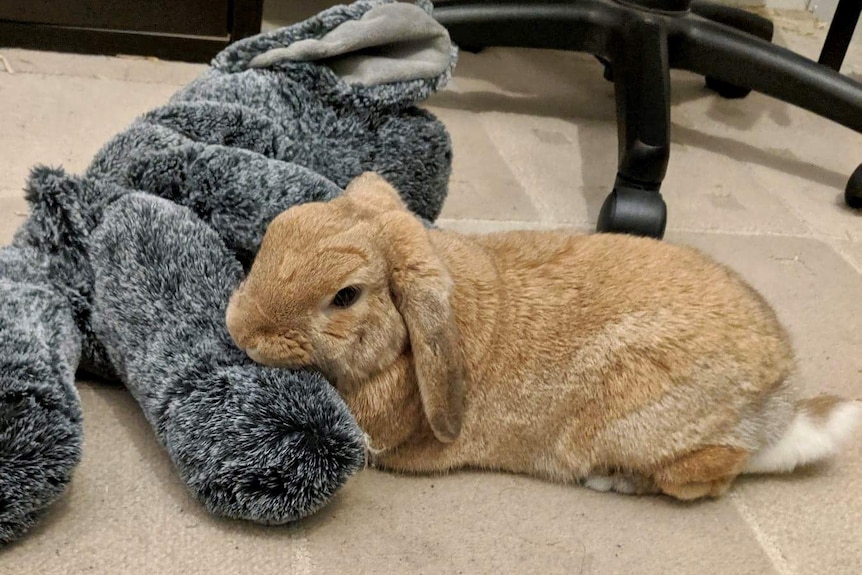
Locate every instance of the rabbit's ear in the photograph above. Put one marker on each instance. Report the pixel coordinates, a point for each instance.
(422, 287)
(372, 195)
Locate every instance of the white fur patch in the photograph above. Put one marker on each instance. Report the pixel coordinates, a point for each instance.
(605, 483)
(806, 441)
(599, 483)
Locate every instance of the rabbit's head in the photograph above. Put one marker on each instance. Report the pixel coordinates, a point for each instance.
(346, 287)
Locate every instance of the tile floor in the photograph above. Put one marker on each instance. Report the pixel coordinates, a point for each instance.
(755, 183)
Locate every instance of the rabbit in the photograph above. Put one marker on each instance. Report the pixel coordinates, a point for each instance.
(617, 362)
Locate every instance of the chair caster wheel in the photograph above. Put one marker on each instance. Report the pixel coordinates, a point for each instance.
(725, 90)
(608, 72)
(633, 211)
(853, 191)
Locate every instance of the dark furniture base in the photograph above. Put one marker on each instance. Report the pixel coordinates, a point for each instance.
(640, 41)
(840, 33)
(165, 39)
(110, 42)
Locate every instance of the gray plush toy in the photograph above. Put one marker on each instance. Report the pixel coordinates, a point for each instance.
(125, 272)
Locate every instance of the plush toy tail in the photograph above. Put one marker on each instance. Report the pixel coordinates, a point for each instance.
(817, 431)
(40, 412)
(250, 442)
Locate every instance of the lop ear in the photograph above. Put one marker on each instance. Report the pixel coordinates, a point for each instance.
(372, 195)
(422, 288)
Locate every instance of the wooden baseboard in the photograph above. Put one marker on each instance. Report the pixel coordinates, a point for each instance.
(110, 42)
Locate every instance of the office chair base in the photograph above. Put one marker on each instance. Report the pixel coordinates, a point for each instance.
(634, 211)
(737, 19)
(725, 89)
(853, 191)
(639, 45)
(743, 21)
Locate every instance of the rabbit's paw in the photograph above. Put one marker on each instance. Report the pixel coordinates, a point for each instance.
(619, 482)
(707, 472)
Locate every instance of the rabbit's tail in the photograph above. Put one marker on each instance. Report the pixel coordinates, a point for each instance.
(816, 432)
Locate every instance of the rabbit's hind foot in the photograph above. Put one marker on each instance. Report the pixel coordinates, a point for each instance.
(707, 472)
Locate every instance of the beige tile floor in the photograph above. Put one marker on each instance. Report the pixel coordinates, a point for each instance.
(755, 183)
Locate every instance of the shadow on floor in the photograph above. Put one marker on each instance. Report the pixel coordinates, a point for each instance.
(565, 85)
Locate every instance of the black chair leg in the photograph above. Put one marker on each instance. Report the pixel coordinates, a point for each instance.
(731, 48)
(642, 87)
(740, 59)
(840, 33)
(741, 20)
(707, 49)
(736, 18)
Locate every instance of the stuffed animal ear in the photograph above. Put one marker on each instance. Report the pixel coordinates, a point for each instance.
(372, 195)
(393, 42)
(422, 287)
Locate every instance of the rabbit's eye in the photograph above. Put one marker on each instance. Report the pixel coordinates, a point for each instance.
(346, 297)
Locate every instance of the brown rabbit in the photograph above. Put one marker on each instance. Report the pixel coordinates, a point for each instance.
(624, 363)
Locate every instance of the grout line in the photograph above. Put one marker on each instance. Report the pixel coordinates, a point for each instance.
(766, 542)
(794, 211)
(744, 233)
(7, 67)
(781, 199)
(542, 208)
(512, 222)
(766, 234)
(855, 265)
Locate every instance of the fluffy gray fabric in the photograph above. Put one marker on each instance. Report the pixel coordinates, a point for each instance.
(125, 271)
(390, 43)
(250, 442)
(40, 413)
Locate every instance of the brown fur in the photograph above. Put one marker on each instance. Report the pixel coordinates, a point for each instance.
(547, 353)
(819, 408)
(705, 472)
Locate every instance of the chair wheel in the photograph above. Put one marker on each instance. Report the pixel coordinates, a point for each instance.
(853, 191)
(633, 211)
(608, 73)
(725, 90)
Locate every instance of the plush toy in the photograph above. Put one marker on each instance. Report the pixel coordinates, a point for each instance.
(124, 272)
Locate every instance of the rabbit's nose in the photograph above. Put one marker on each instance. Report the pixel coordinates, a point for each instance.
(232, 325)
(236, 321)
